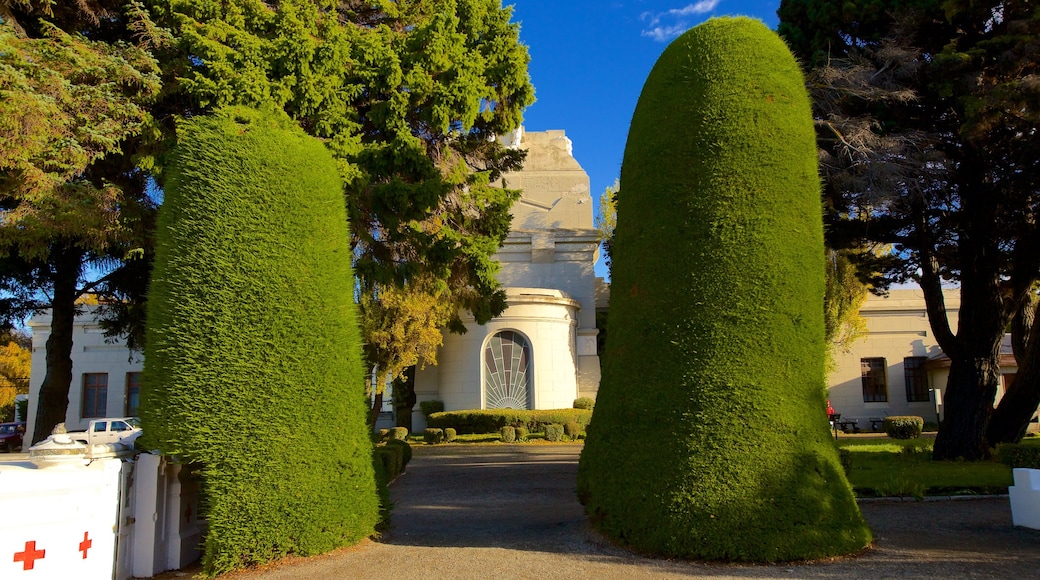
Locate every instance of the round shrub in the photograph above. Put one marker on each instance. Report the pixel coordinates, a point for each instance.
(450, 435)
(433, 435)
(903, 427)
(253, 360)
(554, 432)
(398, 433)
(382, 434)
(406, 450)
(571, 430)
(522, 433)
(584, 403)
(508, 434)
(713, 377)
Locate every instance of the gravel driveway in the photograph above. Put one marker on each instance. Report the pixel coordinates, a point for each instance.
(509, 511)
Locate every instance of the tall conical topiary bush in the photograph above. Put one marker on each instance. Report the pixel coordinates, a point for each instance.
(710, 439)
(253, 361)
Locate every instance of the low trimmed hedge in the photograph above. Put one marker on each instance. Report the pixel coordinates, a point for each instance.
(903, 427)
(508, 434)
(492, 421)
(1018, 455)
(554, 432)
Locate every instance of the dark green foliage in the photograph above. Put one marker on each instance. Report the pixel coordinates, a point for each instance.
(433, 435)
(406, 450)
(431, 407)
(1023, 455)
(392, 458)
(713, 377)
(508, 434)
(572, 429)
(584, 403)
(492, 420)
(553, 432)
(522, 433)
(398, 433)
(382, 434)
(899, 427)
(450, 434)
(253, 361)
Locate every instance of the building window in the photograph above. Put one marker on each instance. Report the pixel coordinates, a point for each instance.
(875, 384)
(133, 393)
(95, 395)
(916, 379)
(507, 376)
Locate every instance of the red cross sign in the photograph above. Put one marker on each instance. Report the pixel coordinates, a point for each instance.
(85, 545)
(29, 556)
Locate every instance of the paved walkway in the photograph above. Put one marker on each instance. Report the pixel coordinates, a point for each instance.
(510, 512)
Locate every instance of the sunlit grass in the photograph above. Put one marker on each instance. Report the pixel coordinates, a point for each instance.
(892, 467)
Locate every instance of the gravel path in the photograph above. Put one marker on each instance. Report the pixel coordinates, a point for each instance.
(510, 512)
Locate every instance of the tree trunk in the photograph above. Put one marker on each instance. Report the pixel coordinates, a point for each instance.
(968, 405)
(53, 402)
(373, 413)
(1011, 417)
(404, 398)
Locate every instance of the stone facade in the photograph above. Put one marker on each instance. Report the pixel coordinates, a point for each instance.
(893, 369)
(547, 270)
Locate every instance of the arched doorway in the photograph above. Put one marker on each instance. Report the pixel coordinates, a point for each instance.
(507, 371)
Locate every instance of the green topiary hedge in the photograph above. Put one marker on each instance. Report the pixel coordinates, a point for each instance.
(903, 427)
(709, 439)
(507, 434)
(430, 407)
(584, 403)
(253, 360)
(492, 421)
(553, 432)
(433, 435)
(406, 450)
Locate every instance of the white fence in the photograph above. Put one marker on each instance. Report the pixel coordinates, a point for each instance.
(97, 518)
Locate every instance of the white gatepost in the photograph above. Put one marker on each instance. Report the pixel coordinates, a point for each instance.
(167, 533)
(1025, 498)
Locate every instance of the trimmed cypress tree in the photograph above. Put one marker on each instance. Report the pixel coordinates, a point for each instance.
(253, 355)
(710, 439)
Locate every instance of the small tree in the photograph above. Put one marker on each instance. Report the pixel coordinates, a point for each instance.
(253, 356)
(714, 373)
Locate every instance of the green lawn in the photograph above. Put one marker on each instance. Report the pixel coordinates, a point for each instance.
(890, 467)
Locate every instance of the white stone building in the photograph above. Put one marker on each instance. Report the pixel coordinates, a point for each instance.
(106, 377)
(894, 367)
(541, 352)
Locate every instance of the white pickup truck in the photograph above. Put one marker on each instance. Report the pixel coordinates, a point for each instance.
(123, 430)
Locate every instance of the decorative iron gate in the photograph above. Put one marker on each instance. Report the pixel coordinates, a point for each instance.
(507, 376)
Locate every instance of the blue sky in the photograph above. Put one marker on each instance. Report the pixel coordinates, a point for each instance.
(589, 60)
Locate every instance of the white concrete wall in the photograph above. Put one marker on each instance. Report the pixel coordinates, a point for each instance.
(897, 327)
(106, 518)
(63, 520)
(90, 354)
